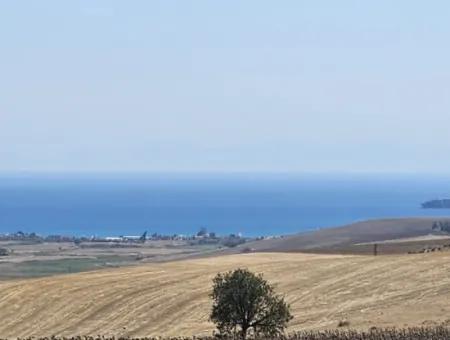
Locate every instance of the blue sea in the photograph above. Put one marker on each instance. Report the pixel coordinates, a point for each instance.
(254, 205)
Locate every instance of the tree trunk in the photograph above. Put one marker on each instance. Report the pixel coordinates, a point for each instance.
(244, 331)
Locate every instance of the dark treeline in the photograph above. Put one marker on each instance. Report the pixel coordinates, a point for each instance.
(441, 226)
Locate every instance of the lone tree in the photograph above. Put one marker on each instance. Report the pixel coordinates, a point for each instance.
(243, 302)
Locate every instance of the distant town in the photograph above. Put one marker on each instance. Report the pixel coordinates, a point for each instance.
(203, 236)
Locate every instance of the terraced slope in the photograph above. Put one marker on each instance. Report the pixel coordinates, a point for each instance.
(172, 298)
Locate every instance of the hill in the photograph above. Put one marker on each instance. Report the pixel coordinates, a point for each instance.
(357, 238)
(172, 298)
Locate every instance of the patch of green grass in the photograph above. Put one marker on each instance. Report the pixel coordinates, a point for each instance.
(40, 268)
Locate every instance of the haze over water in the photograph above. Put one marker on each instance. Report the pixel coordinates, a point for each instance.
(180, 204)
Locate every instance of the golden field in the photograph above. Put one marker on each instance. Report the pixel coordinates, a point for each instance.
(171, 299)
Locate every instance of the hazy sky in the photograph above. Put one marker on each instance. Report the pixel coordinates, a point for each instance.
(297, 86)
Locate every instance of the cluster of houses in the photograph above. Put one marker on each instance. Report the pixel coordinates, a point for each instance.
(202, 236)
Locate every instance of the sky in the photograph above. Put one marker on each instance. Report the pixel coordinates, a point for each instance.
(225, 86)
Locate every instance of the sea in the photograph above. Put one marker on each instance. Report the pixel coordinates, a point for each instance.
(248, 204)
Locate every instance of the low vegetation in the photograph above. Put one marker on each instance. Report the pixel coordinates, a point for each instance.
(427, 333)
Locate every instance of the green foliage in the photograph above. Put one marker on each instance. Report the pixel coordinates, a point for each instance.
(441, 226)
(244, 302)
(202, 232)
(232, 241)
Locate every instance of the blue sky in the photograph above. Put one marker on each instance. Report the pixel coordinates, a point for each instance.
(187, 86)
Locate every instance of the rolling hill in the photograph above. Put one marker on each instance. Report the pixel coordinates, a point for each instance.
(172, 298)
(353, 238)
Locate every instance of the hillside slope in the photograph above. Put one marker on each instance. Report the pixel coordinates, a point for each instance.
(343, 239)
(172, 298)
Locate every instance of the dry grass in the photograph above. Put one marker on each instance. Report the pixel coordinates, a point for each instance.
(172, 299)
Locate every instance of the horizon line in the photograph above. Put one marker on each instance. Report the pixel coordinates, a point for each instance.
(214, 173)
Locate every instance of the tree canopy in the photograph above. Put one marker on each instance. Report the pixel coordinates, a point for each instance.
(244, 302)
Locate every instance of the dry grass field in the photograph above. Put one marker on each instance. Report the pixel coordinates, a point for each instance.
(172, 298)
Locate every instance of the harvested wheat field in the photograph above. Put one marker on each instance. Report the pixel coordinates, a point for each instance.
(172, 298)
